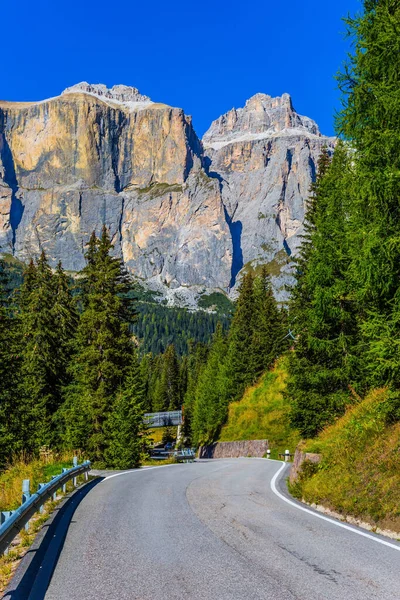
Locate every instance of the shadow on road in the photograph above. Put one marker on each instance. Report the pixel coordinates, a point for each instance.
(34, 573)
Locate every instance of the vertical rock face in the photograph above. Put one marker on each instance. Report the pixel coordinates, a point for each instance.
(180, 213)
(93, 156)
(265, 157)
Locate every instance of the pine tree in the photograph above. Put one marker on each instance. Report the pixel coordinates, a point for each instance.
(125, 428)
(102, 349)
(370, 119)
(167, 395)
(268, 340)
(196, 362)
(238, 364)
(39, 388)
(210, 404)
(322, 311)
(9, 411)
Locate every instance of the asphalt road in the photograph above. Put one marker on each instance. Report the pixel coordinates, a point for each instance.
(213, 530)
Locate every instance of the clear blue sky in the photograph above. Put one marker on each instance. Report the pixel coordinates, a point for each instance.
(203, 56)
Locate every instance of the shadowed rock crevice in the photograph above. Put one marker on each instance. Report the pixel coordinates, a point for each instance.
(17, 208)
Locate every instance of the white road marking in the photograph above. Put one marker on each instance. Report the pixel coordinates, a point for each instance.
(319, 516)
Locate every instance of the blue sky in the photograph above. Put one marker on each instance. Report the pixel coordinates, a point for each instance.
(203, 56)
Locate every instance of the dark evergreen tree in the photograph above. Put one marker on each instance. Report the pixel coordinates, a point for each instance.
(196, 361)
(370, 119)
(238, 364)
(210, 403)
(322, 310)
(103, 347)
(39, 389)
(269, 333)
(125, 429)
(9, 411)
(167, 393)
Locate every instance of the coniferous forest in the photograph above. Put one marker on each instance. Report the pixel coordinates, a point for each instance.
(76, 376)
(345, 305)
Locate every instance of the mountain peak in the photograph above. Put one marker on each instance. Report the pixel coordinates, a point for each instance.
(262, 116)
(119, 93)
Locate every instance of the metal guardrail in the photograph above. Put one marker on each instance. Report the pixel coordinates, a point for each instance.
(185, 455)
(164, 419)
(20, 517)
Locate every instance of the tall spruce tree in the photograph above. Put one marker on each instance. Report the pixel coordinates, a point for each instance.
(125, 428)
(323, 313)
(269, 334)
(168, 389)
(9, 411)
(39, 387)
(238, 371)
(196, 362)
(370, 119)
(210, 403)
(102, 349)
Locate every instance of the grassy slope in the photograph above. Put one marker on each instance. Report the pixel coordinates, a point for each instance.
(36, 471)
(360, 470)
(262, 413)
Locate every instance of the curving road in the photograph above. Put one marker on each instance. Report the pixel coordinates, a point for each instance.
(214, 530)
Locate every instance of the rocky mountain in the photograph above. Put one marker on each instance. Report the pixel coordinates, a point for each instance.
(265, 157)
(186, 216)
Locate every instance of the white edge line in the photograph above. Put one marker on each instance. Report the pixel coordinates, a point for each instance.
(315, 514)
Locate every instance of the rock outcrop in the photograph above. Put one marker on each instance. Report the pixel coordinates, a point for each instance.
(265, 157)
(94, 156)
(180, 213)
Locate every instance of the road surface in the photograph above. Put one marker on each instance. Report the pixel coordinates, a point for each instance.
(213, 530)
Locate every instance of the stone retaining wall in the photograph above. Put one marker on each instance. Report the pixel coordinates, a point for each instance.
(299, 458)
(256, 448)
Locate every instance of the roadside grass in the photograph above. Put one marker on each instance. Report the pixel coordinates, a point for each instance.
(37, 471)
(263, 413)
(359, 474)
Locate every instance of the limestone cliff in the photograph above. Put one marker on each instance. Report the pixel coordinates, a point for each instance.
(265, 156)
(94, 156)
(180, 213)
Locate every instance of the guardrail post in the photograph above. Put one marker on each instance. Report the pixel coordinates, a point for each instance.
(55, 493)
(75, 463)
(86, 475)
(26, 494)
(41, 508)
(4, 515)
(64, 487)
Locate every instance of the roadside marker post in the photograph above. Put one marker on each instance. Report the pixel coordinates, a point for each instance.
(55, 493)
(268, 453)
(26, 494)
(40, 486)
(75, 463)
(287, 455)
(64, 487)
